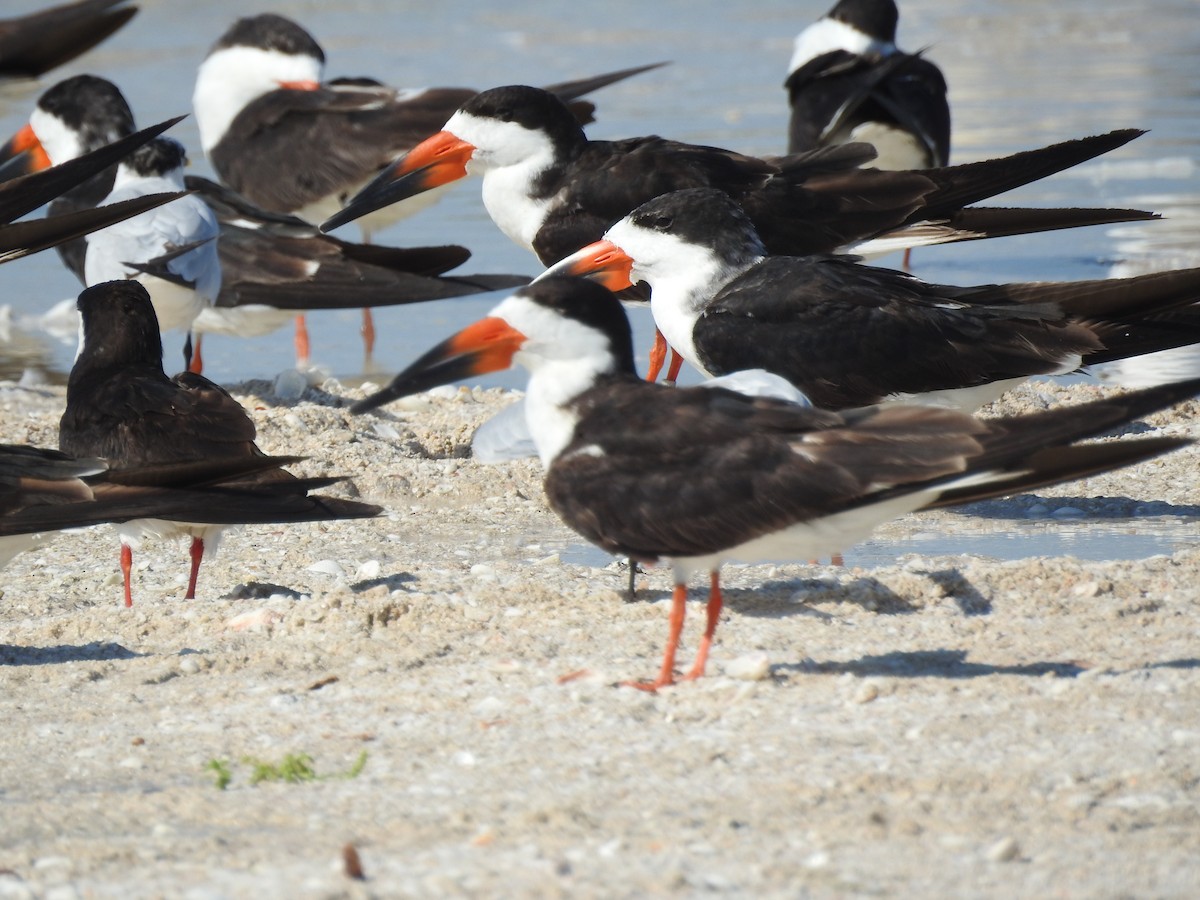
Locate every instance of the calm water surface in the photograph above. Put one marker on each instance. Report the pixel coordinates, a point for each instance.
(1022, 74)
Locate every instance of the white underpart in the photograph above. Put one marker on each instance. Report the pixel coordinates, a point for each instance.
(808, 540)
(829, 534)
(233, 77)
(152, 234)
(509, 157)
(827, 35)
(896, 149)
(564, 357)
(135, 531)
(683, 278)
(247, 320)
(60, 142)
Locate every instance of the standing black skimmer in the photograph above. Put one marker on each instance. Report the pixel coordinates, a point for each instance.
(273, 265)
(21, 194)
(36, 43)
(552, 191)
(847, 81)
(122, 407)
(185, 231)
(698, 476)
(849, 335)
(291, 143)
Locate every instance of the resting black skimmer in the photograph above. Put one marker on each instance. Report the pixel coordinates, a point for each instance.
(289, 142)
(122, 407)
(699, 476)
(847, 81)
(46, 491)
(552, 191)
(273, 265)
(185, 231)
(21, 194)
(849, 335)
(33, 44)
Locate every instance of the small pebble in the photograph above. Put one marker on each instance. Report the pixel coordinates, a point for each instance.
(1004, 850)
(751, 667)
(327, 567)
(370, 569)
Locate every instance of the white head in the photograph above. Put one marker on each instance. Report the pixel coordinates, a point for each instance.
(257, 55)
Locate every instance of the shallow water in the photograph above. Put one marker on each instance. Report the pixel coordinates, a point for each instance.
(1022, 74)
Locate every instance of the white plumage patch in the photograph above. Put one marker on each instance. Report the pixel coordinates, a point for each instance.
(828, 35)
(231, 78)
(509, 157)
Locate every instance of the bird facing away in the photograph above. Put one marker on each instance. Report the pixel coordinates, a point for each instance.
(122, 407)
(847, 81)
(186, 231)
(699, 476)
(849, 335)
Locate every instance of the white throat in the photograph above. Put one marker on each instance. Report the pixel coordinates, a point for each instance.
(232, 78)
(58, 141)
(510, 158)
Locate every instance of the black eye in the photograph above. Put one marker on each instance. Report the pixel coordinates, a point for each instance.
(505, 114)
(662, 223)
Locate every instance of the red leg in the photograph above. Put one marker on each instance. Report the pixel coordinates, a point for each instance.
(905, 264)
(676, 365)
(197, 553)
(667, 674)
(836, 560)
(126, 569)
(368, 334)
(713, 610)
(302, 345)
(658, 356)
(196, 365)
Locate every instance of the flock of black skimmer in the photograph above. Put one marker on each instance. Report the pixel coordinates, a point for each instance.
(865, 379)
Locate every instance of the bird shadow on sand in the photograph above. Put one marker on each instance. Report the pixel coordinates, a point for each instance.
(953, 664)
(395, 582)
(777, 599)
(96, 651)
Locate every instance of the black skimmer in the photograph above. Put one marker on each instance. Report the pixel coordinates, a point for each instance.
(21, 194)
(33, 44)
(289, 142)
(46, 491)
(847, 81)
(184, 232)
(123, 408)
(273, 265)
(552, 190)
(699, 476)
(850, 335)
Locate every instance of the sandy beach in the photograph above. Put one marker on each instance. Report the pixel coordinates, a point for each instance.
(939, 726)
